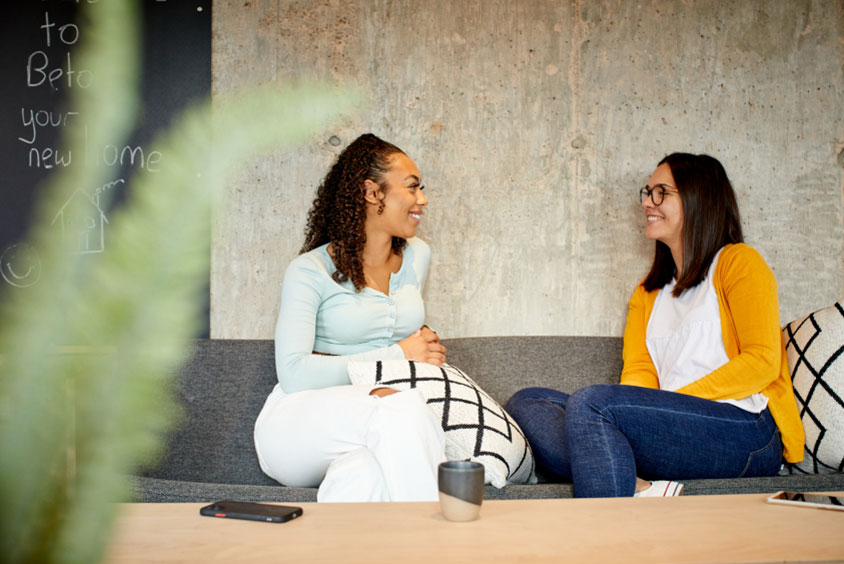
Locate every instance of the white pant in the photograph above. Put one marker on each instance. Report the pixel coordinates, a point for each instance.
(357, 447)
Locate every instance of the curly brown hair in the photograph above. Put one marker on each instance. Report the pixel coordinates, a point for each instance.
(338, 213)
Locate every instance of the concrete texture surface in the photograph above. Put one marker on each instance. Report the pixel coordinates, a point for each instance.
(534, 123)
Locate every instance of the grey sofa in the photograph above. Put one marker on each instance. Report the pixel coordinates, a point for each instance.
(211, 456)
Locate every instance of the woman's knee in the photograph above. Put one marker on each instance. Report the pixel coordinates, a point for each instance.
(404, 414)
(288, 460)
(593, 398)
(297, 436)
(527, 399)
(539, 412)
(518, 400)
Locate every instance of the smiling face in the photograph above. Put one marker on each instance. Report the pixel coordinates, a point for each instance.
(20, 265)
(665, 221)
(402, 198)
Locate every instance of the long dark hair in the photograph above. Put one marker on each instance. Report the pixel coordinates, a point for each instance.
(338, 213)
(710, 221)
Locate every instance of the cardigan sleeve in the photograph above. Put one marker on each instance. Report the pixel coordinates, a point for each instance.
(748, 298)
(638, 368)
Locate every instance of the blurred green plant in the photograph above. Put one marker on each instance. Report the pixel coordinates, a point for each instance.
(87, 356)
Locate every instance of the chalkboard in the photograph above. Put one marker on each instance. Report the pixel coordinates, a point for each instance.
(38, 69)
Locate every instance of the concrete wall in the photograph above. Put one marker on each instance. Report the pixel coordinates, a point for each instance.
(534, 123)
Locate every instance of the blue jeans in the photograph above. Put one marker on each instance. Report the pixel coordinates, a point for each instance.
(602, 437)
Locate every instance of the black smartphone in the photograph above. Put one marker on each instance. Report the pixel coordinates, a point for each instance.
(251, 511)
(802, 499)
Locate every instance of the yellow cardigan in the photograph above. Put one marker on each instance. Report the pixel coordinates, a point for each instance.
(747, 298)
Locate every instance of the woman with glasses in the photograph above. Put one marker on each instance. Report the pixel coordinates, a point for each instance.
(705, 390)
(355, 293)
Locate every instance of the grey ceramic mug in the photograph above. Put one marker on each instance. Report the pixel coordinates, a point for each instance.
(461, 484)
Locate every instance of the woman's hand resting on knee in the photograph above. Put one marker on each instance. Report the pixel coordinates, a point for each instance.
(424, 346)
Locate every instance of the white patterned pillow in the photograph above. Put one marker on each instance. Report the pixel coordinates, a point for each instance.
(475, 426)
(815, 348)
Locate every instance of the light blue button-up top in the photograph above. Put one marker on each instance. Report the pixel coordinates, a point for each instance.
(319, 315)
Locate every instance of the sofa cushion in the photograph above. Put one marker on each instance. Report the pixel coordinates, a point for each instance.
(815, 348)
(476, 426)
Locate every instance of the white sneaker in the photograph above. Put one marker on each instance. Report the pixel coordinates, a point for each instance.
(661, 488)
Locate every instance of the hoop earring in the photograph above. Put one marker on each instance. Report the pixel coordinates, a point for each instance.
(380, 208)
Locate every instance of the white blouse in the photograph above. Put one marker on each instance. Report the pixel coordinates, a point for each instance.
(684, 338)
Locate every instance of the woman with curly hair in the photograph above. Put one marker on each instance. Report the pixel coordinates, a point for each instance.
(355, 293)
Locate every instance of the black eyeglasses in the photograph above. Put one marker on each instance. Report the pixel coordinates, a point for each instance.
(656, 194)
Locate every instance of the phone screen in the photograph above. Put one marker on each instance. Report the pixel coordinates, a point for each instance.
(809, 500)
(251, 511)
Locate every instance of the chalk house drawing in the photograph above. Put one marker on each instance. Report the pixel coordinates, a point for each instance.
(20, 265)
(87, 232)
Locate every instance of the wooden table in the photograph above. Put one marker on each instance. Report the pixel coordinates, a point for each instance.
(726, 528)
